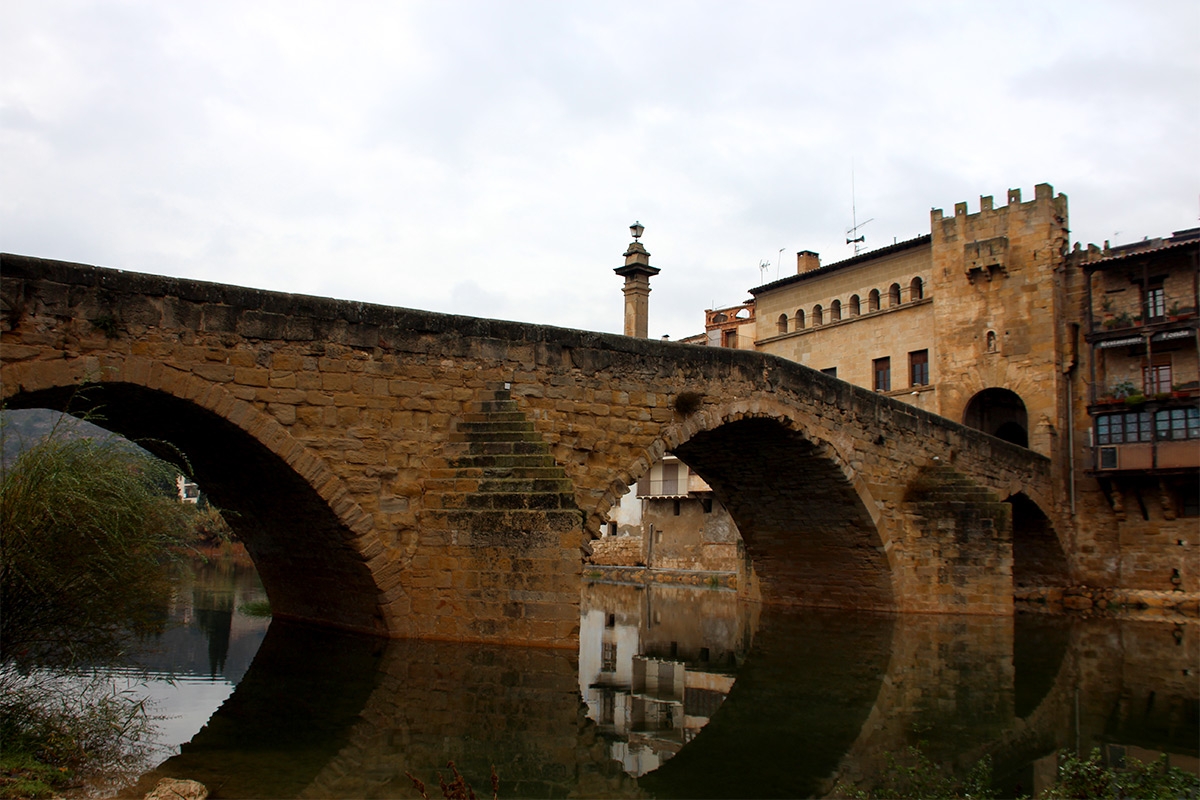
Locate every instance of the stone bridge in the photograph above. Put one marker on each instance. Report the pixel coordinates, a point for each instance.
(424, 475)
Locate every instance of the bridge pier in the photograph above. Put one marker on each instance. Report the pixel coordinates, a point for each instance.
(957, 547)
(500, 536)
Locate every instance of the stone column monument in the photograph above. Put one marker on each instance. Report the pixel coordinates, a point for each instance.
(637, 272)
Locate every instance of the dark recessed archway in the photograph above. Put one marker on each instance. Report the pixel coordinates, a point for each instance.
(1038, 556)
(301, 549)
(805, 527)
(1000, 413)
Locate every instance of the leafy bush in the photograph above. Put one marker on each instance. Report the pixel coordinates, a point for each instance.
(1091, 777)
(913, 776)
(85, 528)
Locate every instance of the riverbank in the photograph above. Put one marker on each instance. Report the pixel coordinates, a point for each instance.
(725, 581)
(1118, 603)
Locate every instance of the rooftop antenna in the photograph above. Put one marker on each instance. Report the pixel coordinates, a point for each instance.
(763, 266)
(852, 235)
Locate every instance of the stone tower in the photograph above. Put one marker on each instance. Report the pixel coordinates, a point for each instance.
(997, 275)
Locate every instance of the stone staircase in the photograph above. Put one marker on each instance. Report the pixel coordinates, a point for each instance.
(499, 478)
(944, 484)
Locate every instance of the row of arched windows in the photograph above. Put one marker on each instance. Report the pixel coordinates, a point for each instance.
(853, 307)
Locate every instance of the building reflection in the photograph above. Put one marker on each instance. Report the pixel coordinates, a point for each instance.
(207, 633)
(656, 662)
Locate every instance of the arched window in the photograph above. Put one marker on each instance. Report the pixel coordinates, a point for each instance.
(835, 311)
(916, 289)
(783, 323)
(818, 315)
(799, 319)
(873, 301)
(855, 306)
(894, 295)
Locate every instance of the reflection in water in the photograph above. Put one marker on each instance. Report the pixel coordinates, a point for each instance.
(208, 637)
(205, 648)
(797, 703)
(329, 714)
(655, 663)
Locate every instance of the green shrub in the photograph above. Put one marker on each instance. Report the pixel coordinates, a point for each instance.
(85, 529)
(59, 727)
(912, 776)
(1091, 777)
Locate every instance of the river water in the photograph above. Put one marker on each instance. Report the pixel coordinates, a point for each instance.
(674, 692)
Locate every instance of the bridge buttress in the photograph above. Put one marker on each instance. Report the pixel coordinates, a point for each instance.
(957, 545)
(504, 534)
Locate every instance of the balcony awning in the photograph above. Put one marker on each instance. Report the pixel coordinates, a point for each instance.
(1132, 340)
(1167, 336)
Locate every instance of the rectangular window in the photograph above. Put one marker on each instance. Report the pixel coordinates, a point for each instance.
(1127, 428)
(608, 657)
(830, 371)
(608, 706)
(1178, 423)
(729, 338)
(918, 368)
(1156, 303)
(1156, 378)
(883, 374)
(670, 479)
(1108, 458)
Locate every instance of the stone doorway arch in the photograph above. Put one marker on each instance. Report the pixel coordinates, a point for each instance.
(1000, 413)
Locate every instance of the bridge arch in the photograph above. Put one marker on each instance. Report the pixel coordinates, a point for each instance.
(312, 544)
(1039, 558)
(810, 524)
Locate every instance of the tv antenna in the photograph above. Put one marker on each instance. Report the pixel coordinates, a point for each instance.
(852, 235)
(763, 266)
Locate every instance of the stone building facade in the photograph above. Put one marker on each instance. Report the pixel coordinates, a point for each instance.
(1144, 437)
(672, 524)
(992, 320)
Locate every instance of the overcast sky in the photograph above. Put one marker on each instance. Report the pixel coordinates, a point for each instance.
(487, 158)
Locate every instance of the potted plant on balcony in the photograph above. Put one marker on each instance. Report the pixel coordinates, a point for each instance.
(1124, 389)
(1122, 320)
(1177, 314)
(1116, 395)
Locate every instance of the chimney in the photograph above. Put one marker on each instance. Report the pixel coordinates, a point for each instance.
(807, 261)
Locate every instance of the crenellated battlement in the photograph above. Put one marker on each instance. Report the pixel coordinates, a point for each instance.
(1043, 197)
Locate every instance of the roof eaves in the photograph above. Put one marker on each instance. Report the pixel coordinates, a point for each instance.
(1119, 257)
(849, 262)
